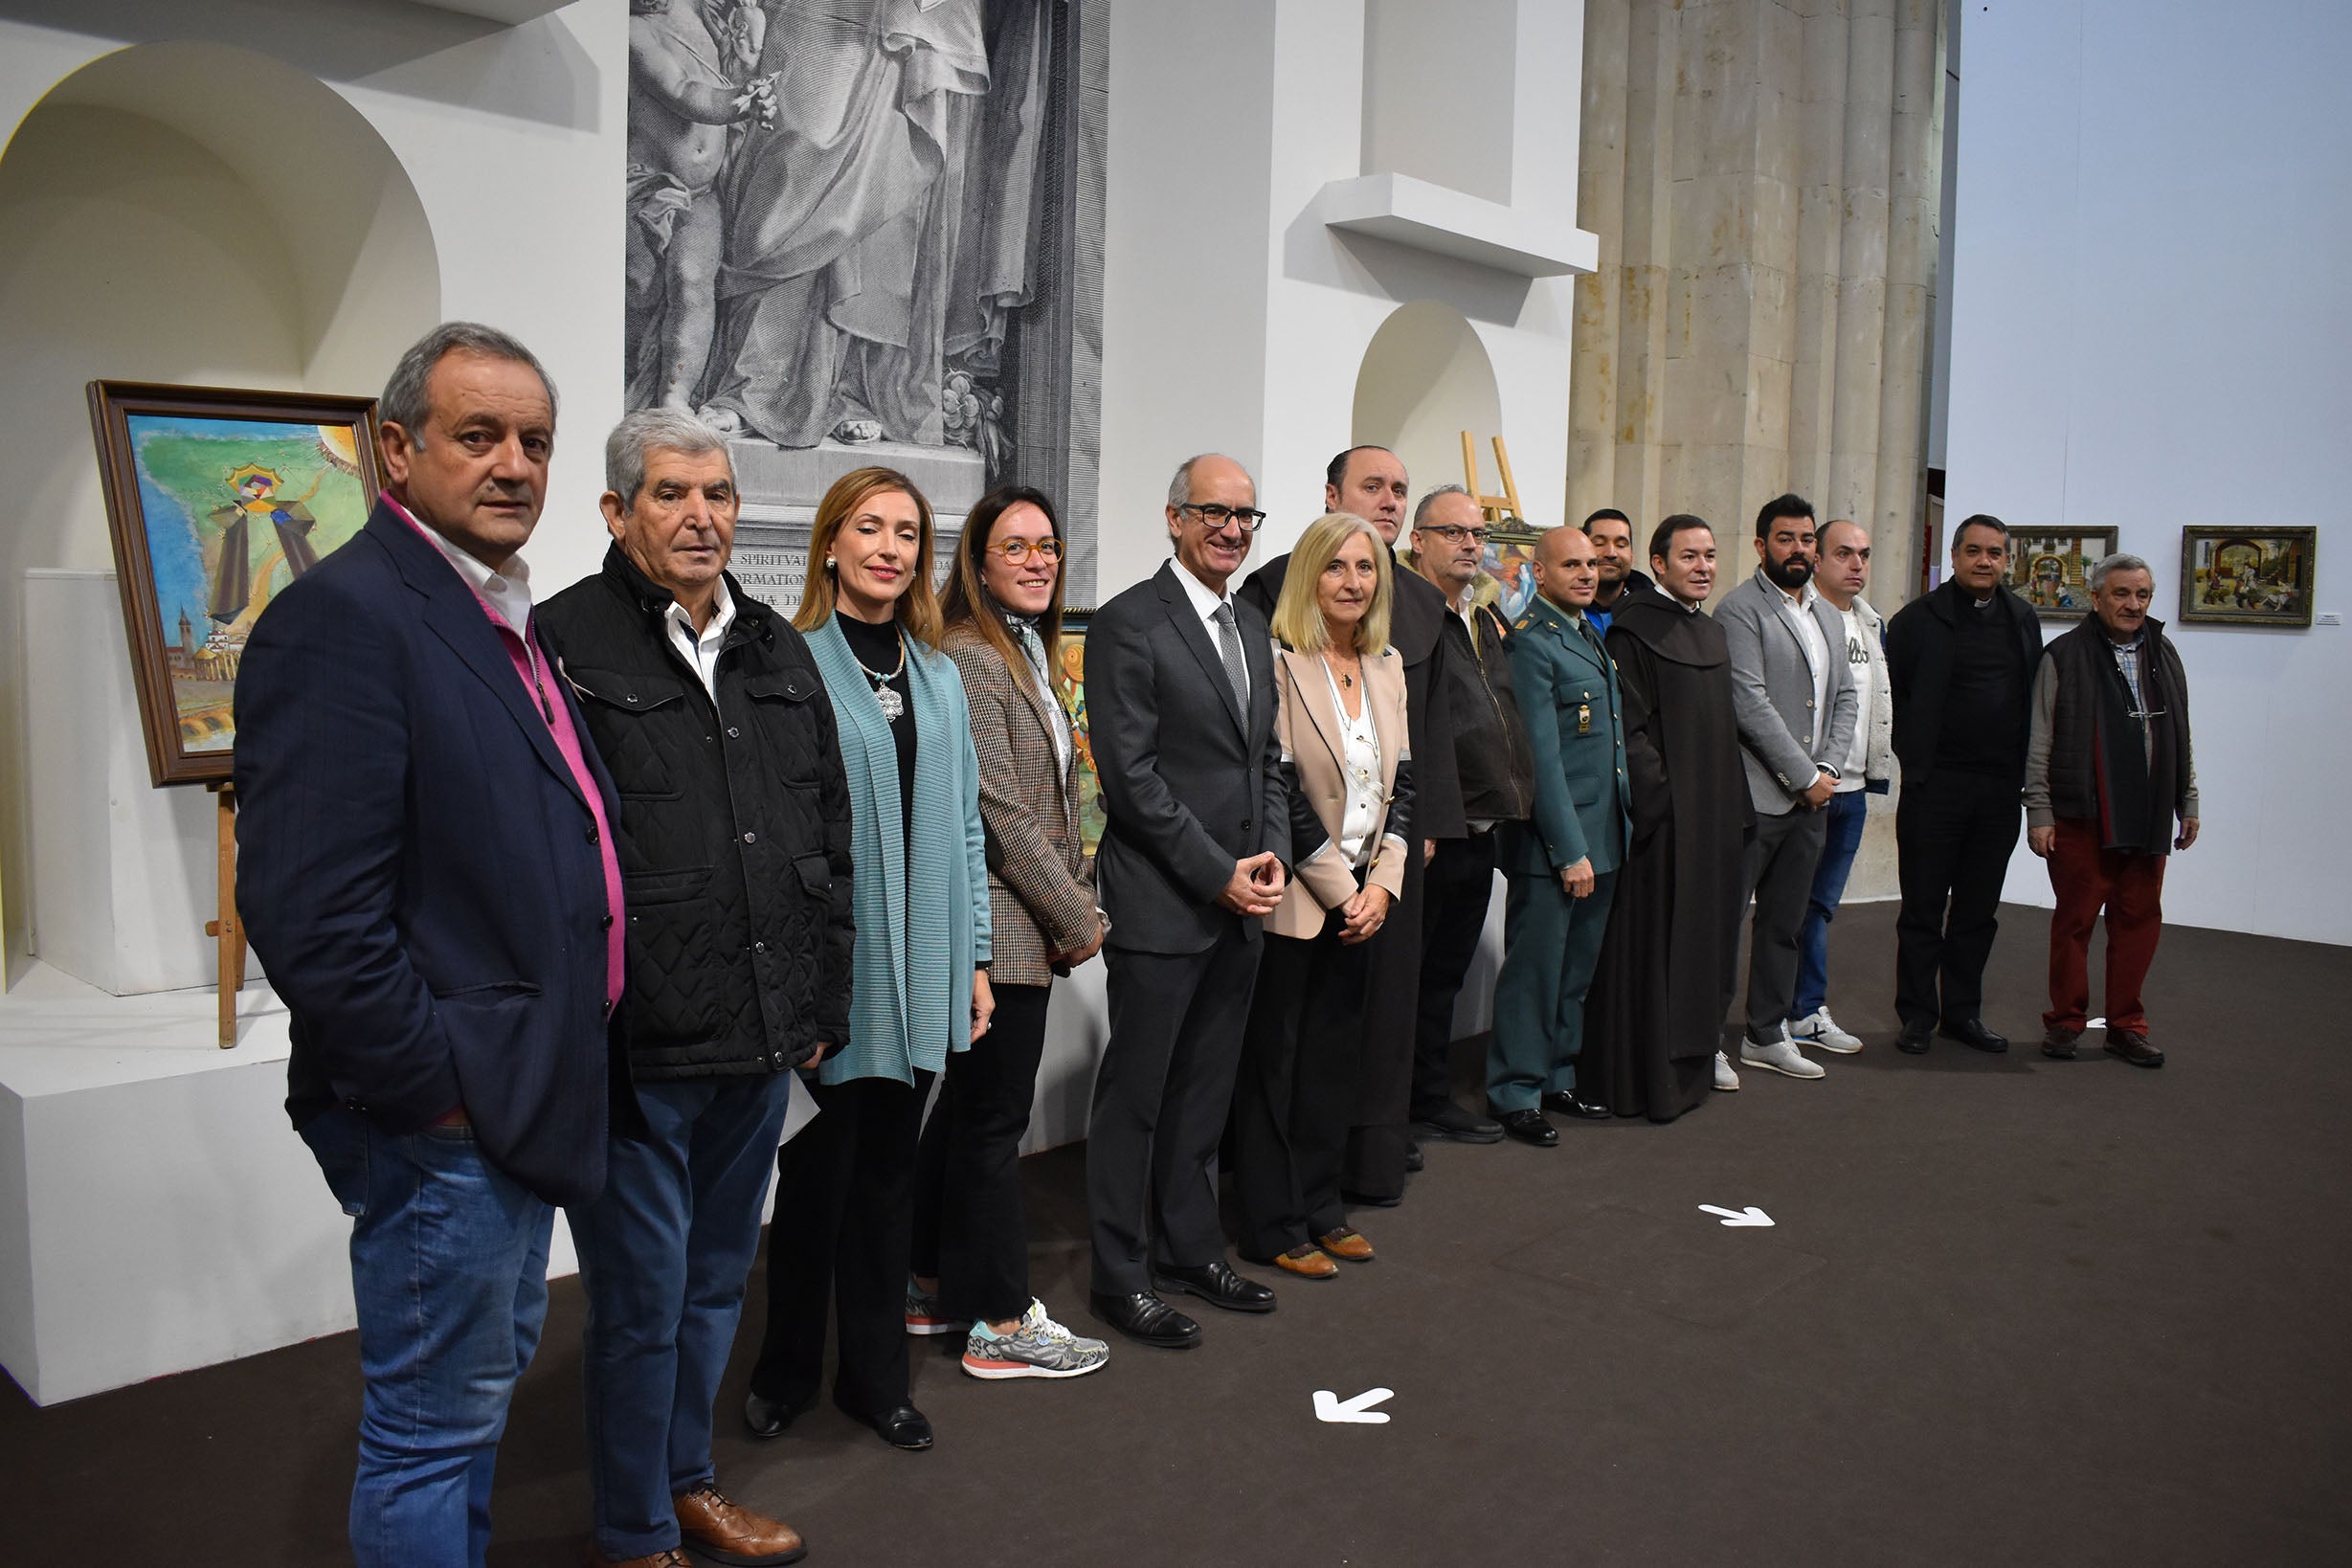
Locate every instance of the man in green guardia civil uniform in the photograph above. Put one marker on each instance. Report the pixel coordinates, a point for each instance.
(1561, 866)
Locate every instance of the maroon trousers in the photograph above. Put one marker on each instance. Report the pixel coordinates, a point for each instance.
(2130, 887)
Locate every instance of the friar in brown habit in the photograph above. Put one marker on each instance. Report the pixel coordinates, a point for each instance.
(1665, 975)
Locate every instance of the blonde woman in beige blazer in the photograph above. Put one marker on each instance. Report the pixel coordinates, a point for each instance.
(970, 1271)
(1347, 760)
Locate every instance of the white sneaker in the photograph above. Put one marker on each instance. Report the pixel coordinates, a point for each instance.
(1818, 1028)
(1778, 1056)
(1726, 1080)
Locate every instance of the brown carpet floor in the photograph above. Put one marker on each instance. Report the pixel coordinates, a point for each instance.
(2010, 1310)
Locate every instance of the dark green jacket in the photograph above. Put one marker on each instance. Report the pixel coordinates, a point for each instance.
(1566, 685)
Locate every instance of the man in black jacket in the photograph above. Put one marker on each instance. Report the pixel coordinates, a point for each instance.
(1496, 771)
(1960, 660)
(707, 708)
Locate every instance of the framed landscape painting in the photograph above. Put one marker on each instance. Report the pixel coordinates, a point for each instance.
(218, 500)
(2248, 576)
(2052, 570)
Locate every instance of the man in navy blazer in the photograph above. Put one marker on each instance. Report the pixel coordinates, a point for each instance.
(427, 872)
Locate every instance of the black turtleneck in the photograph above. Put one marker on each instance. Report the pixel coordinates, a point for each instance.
(875, 646)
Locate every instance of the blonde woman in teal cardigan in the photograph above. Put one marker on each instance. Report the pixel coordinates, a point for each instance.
(844, 1195)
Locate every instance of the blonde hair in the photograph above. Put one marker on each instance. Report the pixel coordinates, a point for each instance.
(1298, 618)
(918, 608)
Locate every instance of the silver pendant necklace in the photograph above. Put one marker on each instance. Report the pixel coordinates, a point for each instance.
(891, 704)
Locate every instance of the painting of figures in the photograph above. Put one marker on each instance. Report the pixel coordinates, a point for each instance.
(2248, 576)
(218, 500)
(2052, 570)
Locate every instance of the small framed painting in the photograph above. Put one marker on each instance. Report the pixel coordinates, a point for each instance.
(218, 500)
(2051, 571)
(1074, 702)
(2248, 576)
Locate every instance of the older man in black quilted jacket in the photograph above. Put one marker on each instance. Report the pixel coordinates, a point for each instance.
(734, 855)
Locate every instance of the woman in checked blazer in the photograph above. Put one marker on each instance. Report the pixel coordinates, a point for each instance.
(1347, 761)
(970, 1264)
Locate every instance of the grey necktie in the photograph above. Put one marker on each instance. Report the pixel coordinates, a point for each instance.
(1229, 646)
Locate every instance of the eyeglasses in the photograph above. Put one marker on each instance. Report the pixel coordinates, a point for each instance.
(1453, 533)
(1217, 516)
(1016, 551)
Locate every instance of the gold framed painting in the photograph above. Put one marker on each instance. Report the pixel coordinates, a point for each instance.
(2050, 569)
(216, 500)
(2233, 577)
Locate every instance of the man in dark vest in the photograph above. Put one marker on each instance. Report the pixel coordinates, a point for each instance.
(2107, 771)
(1960, 660)
(1655, 1026)
(1369, 481)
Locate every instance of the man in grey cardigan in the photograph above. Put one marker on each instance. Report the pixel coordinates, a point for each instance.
(1795, 704)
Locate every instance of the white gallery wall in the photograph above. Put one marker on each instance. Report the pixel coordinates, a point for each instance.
(2152, 327)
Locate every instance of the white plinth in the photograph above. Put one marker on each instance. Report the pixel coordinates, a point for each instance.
(123, 874)
(156, 1211)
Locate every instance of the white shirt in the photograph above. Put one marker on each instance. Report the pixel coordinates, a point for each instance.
(1204, 604)
(1798, 607)
(507, 591)
(1864, 674)
(1359, 757)
(1052, 703)
(702, 653)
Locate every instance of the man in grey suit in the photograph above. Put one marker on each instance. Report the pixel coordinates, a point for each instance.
(1795, 702)
(1180, 696)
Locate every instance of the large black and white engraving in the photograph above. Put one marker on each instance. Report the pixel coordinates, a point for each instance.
(854, 238)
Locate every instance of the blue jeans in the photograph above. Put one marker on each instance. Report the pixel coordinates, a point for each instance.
(449, 1270)
(663, 1254)
(1847, 814)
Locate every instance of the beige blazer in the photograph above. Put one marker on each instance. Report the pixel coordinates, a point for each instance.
(1309, 728)
(1040, 884)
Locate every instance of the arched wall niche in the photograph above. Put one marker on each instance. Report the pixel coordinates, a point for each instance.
(1426, 379)
(181, 213)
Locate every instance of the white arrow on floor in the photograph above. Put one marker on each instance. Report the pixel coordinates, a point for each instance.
(1751, 1215)
(1329, 1407)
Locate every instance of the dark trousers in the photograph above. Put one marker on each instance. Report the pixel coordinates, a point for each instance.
(1550, 945)
(1953, 833)
(839, 1245)
(968, 1225)
(1849, 814)
(1455, 897)
(664, 1253)
(1295, 1093)
(1778, 866)
(1160, 1098)
(2086, 878)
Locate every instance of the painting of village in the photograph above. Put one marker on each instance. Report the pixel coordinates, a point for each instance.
(2248, 576)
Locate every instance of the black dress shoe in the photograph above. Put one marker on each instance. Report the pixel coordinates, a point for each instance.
(1563, 1103)
(1451, 1124)
(903, 1427)
(1217, 1285)
(1972, 1032)
(768, 1418)
(1530, 1127)
(1145, 1319)
(1413, 1161)
(1913, 1041)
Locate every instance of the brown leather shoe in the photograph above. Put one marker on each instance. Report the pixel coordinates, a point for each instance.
(2132, 1046)
(1346, 1242)
(671, 1558)
(724, 1531)
(2059, 1043)
(1306, 1262)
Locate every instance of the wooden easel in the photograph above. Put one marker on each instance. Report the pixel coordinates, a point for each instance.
(1497, 507)
(227, 928)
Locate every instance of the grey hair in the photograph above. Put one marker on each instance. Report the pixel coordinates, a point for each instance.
(405, 402)
(655, 430)
(2100, 571)
(1428, 501)
(1180, 487)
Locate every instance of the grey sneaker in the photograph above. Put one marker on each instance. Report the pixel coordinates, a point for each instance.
(1726, 1080)
(1820, 1030)
(1778, 1056)
(1040, 1348)
(923, 1313)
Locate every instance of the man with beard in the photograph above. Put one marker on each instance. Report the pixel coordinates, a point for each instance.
(1795, 702)
(1665, 978)
(1612, 537)
(1369, 481)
